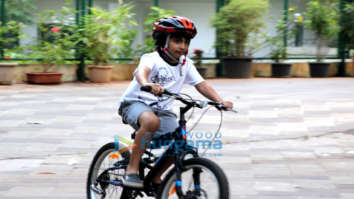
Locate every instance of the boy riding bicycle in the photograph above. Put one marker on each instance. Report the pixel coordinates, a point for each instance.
(166, 68)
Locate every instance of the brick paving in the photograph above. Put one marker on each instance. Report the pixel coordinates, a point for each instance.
(292, 138)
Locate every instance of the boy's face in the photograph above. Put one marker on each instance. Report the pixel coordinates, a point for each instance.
(178, 46)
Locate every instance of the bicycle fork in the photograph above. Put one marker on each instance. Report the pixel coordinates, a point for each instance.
(196, 181)
(180, 168)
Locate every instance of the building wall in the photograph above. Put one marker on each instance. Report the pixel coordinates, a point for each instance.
(199, 11)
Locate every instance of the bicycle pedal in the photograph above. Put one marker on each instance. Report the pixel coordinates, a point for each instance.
(122, 163)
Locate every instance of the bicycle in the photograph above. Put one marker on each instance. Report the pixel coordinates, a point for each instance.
(105, 179)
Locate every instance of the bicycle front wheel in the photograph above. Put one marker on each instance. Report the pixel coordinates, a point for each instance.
(201, 179)
(106, 172)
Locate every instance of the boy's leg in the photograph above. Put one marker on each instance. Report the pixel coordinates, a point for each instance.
(149, 123)
(168, 123)
(157, 178)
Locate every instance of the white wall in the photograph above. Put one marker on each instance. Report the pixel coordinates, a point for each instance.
(199, 11)
(274, 14)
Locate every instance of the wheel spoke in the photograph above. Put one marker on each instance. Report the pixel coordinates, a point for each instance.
(201, 179)
(105, 159)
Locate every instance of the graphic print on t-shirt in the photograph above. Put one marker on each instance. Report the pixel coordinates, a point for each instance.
(162, 76)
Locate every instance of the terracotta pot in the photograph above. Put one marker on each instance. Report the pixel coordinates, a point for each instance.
(7, 71)
(100, 74)
(44, 78)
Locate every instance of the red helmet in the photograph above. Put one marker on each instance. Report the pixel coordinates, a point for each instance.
(174, 24)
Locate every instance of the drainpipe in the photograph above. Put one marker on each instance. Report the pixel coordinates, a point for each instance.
(81, 10)
(156, 3)
(3, 22)
(219, 67)
(77, 14)
(90, 5)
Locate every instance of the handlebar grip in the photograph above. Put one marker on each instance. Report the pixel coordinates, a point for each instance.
(149, 88)
(220, 106)
(146, 88)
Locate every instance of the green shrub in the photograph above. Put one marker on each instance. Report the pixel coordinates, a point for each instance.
(236, 23)
(57, 39)
(322, 18)
(105, 35)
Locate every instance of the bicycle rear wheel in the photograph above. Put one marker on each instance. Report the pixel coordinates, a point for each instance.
(213, 182)
(108, 167)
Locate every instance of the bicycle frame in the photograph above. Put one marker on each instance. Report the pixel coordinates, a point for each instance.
(178, 150)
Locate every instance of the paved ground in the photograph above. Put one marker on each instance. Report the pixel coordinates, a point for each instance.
(292, 138)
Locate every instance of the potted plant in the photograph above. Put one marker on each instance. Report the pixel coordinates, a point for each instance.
(197, 56)
(56, 43)
(322, 18)
(17, 13)
(235, 23)
(105, 35)
(278, 47)
(10, 34)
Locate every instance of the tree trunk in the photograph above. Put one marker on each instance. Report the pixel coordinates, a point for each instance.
(318, 48)
(240, 43)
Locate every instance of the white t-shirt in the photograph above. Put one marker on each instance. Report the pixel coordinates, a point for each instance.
(170, 77)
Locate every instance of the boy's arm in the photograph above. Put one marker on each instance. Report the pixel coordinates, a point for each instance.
(207, 91)
(142, 76)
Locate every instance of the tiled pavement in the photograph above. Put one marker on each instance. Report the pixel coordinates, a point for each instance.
(292, 138)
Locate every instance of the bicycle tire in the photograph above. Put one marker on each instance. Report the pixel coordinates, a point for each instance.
(164, 191)
(95, 166)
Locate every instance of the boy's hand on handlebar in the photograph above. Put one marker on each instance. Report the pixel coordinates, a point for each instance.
(225, 105)
(228, 104)
(156, 89)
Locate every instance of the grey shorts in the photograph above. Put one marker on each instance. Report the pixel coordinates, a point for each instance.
(131, 110)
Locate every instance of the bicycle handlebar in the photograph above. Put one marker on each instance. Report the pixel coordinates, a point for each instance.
(191, 102)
